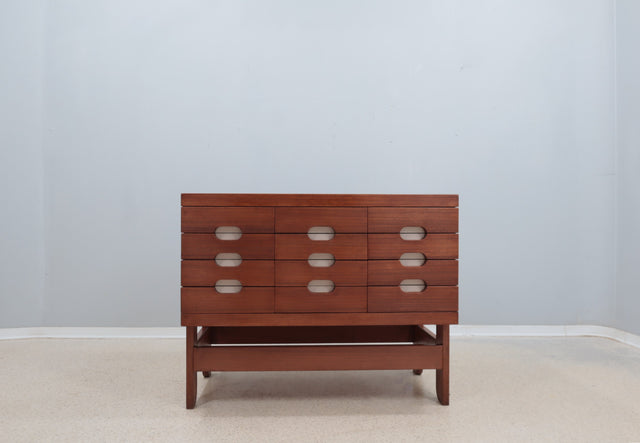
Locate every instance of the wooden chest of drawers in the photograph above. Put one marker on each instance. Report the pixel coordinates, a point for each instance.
(261, 271)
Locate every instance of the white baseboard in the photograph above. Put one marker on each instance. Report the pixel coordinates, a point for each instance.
(545, 331)
(456, 331)
(88, 332)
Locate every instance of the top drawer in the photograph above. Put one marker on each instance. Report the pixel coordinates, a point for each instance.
(207, 219)
(432, 220)
(341, 220)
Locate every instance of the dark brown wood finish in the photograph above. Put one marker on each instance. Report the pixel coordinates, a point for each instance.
(276, 323)
(192, 380)
(300, 246)
(309, 334)
(316, 358)
(392, 299)
(342, 273)
(433, 246)
(208, 246)
(208, 300)
(207, 273)
(423, 336)
(341, 299)
(442, 374)
(365, 200)
(321, 319)
(204, 336)
(341, 220)
(433, 220)
(426, 331)
(392, 272)
(249, 220)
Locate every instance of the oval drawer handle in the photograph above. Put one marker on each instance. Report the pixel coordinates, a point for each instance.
(228, 259)
(320, 286)
(412, 233)
(321, 260)
(228, 233)
(228, 286)
(322, 233)
(412, 285)
(410, 259)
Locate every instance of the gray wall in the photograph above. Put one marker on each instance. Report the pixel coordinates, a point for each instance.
(628, 137)
(22, 263)
(509, 104)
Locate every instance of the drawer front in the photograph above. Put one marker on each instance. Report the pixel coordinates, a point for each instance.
(433, 272)
(249, 220)
(392, 299)
(342, 273)
(207, 246)
(341, 246)
(433, 220)
(341, 220)
(207, 273)
(392, 246)
(341, 299)
(208, 300)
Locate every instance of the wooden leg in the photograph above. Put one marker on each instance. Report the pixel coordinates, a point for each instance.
(206, 374)
(414, 339)
(442, 375)
(192, 379)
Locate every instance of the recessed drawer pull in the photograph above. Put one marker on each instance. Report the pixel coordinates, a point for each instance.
(412, 233)
(228, 286)
(321, 260)
(228, 233)
(322, 233)
(320, 286)
(228, 259)
(412, 285)
(412, 259)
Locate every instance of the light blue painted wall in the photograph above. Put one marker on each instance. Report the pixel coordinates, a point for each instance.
(628, 137)
(509, 104)
(22, 263)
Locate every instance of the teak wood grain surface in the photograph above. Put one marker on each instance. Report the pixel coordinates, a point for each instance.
(341, 220)
(391, 246)
(208, 246)
(341, 246)
(341, 299)
(342, 273)
(273, 256)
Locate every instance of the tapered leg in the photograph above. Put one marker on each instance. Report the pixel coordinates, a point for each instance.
(192, 379)
(206, 374)
(414, 338)
(442, 375)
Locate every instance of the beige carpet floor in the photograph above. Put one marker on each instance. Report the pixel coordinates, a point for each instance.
(502, 389)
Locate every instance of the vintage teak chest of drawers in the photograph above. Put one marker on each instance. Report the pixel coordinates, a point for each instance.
(274, 282)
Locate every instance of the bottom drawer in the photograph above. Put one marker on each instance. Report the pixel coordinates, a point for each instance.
(393, 299)
(208, 300)
(341, 299)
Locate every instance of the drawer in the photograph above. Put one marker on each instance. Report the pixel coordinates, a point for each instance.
(249, 246)
(433, 272)
(208, 300)
(433, 220)
(392, 246)
(341, 246)
(392, 299)
(341, 299)
(342, 273)
(249, 220)
(341, 220)
(207, 273)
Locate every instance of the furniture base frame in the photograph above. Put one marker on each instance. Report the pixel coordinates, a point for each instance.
(317, 348)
